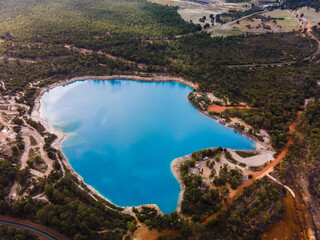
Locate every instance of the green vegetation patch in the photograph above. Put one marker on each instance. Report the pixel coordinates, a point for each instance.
(246, 154)
(230, 158)
(256, 169)
(33, 141)
(226, 32)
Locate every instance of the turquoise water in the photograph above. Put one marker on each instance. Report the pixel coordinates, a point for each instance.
(124, 135)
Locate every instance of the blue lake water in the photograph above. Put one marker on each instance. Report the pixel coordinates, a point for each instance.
(124, 134)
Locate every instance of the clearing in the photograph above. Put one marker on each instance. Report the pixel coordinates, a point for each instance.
(274, 21)
(192, 11)
(311, 15)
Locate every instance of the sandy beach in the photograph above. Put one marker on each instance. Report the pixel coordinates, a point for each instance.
(264, 148)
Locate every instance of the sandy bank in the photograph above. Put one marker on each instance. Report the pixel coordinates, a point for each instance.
(175, 168)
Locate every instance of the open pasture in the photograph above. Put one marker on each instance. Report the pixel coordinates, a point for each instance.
(191, 11)
(311, 15)
(274, 21)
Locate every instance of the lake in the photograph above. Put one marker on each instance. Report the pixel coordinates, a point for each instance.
(124, 134)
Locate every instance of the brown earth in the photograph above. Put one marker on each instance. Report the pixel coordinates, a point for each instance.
(143, 233)
(293, 225)
(219, 109)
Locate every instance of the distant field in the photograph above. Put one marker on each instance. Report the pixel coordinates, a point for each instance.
(243, 25)
(289, 23)
(195, 14)
(226, 32)
(169, 2)
(194, 11)
(254, 24)
(310, 14)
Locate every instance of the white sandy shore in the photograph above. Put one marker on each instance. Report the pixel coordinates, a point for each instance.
(175, 168)
(263, 148)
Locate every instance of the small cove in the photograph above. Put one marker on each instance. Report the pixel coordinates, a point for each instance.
(124, 134)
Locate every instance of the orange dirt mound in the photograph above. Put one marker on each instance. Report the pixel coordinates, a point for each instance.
(219, 109)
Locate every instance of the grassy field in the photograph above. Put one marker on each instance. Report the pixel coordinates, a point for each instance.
(310, 14)
(193, 11)
(226, 32)
(287, 23)
(194, 14)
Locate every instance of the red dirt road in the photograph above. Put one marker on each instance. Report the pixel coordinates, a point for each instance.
(278, 159)
(265, 170)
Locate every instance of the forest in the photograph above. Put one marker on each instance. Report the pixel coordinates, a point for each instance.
(294, 4)
(7, 232)
(303, 157)
(89, 22)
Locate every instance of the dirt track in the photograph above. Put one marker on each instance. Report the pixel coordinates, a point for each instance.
(269, 168)
(265, 170)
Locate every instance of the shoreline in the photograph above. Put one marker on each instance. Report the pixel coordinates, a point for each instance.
(175, 164)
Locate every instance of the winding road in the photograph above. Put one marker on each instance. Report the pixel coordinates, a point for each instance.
(269, 168)
(34, 229)
(233, 21)
(304, 24)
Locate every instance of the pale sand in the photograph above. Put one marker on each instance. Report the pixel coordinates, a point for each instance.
(175, 168)
(175, 163)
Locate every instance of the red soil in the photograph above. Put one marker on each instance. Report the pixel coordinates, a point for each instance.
(265, 170)
(143, 233)
(219, 109)
(293, 225)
